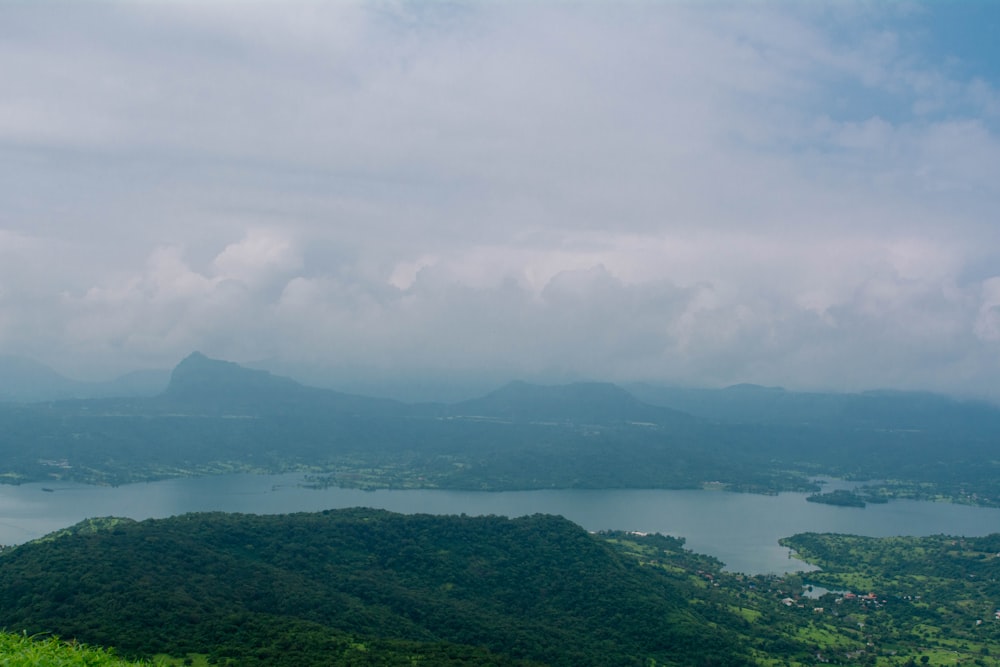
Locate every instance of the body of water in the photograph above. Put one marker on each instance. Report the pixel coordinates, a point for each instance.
(742, 530)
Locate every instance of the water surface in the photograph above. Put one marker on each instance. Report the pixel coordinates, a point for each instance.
(740, 529)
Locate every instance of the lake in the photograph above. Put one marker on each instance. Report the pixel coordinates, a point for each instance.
(740, 529)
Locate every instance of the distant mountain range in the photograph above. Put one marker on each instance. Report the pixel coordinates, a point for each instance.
(201, 383)
(208, 384)
(214, 416)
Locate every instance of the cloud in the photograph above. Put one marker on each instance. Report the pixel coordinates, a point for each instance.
(260, 255)
(685, 193)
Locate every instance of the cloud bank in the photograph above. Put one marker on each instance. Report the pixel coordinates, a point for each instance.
(680, 193)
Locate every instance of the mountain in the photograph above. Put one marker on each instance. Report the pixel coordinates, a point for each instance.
(208, 386)
(210, 383)
(578, 403)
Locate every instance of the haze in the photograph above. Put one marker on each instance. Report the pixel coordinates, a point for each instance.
(789, 194)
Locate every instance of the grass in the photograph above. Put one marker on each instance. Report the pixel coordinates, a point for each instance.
(827, 638)
(750, 615)
(24, 651)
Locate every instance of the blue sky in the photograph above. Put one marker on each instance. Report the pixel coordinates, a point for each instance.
(963, 33)
(796, 194)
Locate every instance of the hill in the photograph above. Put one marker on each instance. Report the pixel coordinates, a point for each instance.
(366, 587)
(307, 589)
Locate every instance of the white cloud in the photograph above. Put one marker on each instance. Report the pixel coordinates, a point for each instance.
(987, 325)
(260, 255)
(680, 192)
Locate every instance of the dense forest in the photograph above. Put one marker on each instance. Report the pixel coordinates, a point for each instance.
(298, 589)
(368, 587)
(216, 416)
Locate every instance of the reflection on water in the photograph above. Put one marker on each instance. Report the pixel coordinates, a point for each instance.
(742, 530)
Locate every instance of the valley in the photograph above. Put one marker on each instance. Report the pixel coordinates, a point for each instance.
(233, 549)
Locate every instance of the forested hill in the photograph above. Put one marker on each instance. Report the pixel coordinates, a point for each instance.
(306, 589)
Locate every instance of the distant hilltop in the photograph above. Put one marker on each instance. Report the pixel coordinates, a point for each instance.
(25, 380)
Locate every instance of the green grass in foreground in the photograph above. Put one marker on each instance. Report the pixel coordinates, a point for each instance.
(19, 650)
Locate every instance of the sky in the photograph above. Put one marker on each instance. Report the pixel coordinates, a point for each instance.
(783, 193)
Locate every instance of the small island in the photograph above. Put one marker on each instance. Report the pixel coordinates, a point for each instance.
(840, 497)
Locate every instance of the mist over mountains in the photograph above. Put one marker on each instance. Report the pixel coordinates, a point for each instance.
(201, 383)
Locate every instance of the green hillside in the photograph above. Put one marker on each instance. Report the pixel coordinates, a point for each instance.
(332, 587)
